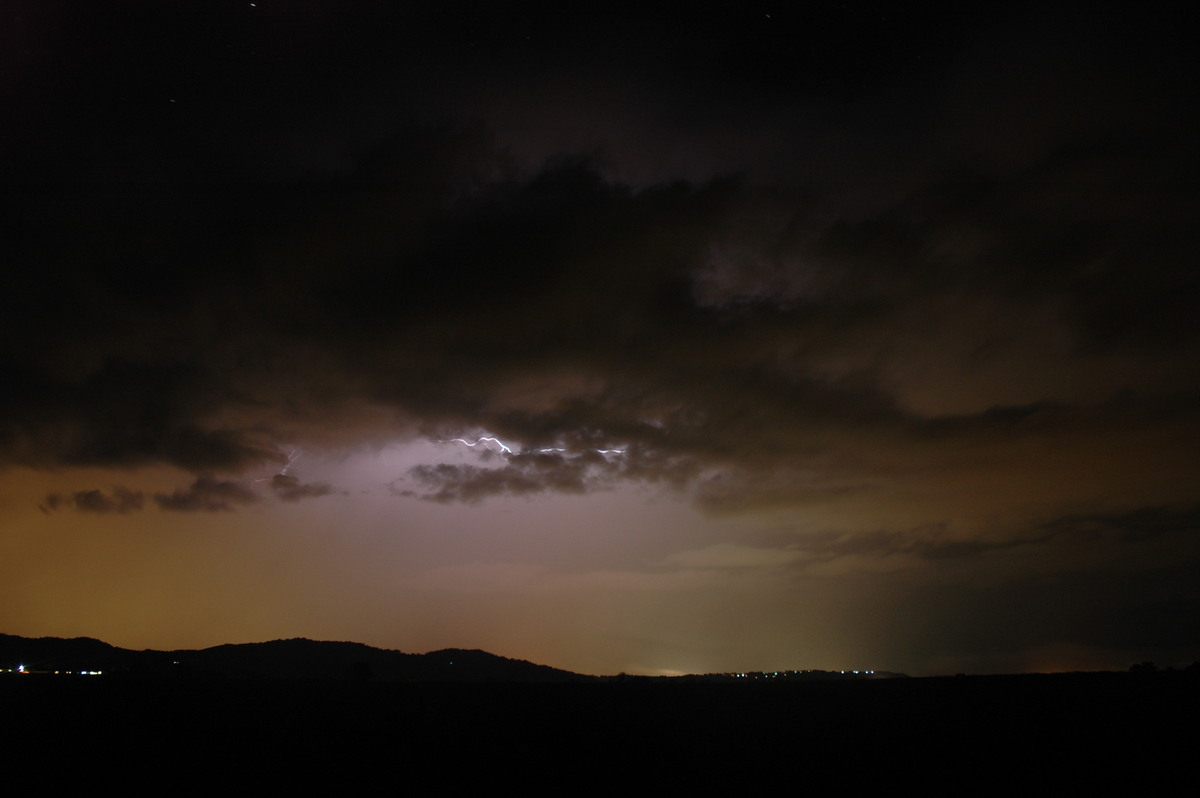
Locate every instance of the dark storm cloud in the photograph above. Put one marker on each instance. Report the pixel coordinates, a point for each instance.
(522, 474)
(937, 541)
(291, 489)
(981, 246)
(121, 413)
(207, 494)
(463, 483)
(119, 500)
(1142, 524)
(556, 308)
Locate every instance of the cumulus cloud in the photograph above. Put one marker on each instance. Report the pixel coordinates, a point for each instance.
(522, 474)
(119, 500)
(291, 489)
(694, 334)
(738, 331)
(207, 494)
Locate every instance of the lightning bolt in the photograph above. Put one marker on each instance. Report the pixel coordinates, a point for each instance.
(503, 447)
(506, 449)
(293, 456)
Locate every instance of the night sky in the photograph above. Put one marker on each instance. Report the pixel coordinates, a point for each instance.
(832, 335)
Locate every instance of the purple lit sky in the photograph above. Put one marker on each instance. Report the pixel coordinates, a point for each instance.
(885, 319)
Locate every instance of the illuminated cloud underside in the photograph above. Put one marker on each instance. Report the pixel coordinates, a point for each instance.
(717, 342)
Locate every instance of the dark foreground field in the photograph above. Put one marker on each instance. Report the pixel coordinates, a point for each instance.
(1041, 733)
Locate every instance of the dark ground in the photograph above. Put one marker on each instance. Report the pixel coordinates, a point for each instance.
(1041, 734)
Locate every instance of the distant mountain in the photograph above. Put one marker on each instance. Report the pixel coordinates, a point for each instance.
(279, 659)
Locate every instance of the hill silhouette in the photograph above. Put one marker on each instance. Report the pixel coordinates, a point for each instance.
(305, 715)
(298, 658)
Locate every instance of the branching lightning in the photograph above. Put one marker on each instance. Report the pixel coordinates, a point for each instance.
(293, 456)
(506, 449)
(503, 447)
